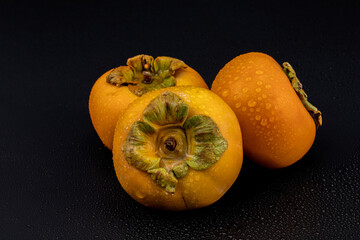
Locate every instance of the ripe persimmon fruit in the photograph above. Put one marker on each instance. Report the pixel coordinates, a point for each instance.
(117, 88)
(177, 148)
(277, 121)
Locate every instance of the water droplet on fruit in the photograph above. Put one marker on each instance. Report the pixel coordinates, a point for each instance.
(271, 119)
(263, 122)
(225, 93)
(259, 72)
(236, 97)
(268, 105)
(259, 83)
(252, 109)
(237, 105)
(245, 89)
(268, 86)
(248, 79)
(235, 78)
(257, 117)
(243, 109)
(259, 98)
(251, 103)
(258, 90)
(258, 109)
(139, 194)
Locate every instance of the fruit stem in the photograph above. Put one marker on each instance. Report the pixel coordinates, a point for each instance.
(298, 87)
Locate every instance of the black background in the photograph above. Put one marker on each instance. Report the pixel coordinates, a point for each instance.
(57, 179)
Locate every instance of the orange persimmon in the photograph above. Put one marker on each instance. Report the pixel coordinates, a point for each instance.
(117, 88)
(273, 111)
(177, 148)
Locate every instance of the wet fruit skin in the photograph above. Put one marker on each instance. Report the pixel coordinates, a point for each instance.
(107, 101)
(277, 129)
(197, 188)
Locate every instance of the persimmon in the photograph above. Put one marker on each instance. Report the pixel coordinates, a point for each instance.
(277, 121)
(117, 88)
(177, 148)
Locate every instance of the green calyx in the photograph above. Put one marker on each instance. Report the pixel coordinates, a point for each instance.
(298, 87)
(143, 73)
(167, 143)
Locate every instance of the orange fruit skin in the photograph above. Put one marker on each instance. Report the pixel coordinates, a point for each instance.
(107, 102)
(277, 129)
(198, 188)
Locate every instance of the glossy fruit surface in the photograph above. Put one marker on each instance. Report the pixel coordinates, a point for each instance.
(271, 107)
(117, 88)
(177, 148)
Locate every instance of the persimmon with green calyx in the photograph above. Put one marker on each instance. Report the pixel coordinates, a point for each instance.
(117, 88)
(278, 122)
(177, 148)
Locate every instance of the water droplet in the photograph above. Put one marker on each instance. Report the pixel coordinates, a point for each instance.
(267, 86)
(197, 177)
(257, 109)
(245, 89)
(243, 109)
(252, 109)
(237, 105)
(268, 105)
(271, 119)
(225, 93)
(139, 194)
(236, 78)
(270, 139)
(259, 98)
(258, 90)
(257, 117)
(259, 72)
(263, 122)
(259, 83)
(251, 103)
(236, 97)
(264, 95)
(251, 62)
(248, 79)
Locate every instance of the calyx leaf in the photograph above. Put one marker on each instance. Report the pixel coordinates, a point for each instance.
(143, 73)
(164, 179)
(181, 169)
(166, 109)
(205, 142)
(139, 148)
(298, 87)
